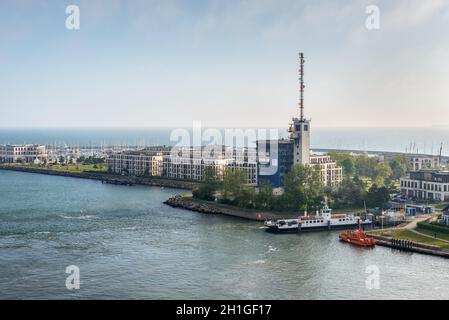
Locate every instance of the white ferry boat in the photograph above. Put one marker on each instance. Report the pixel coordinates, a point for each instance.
(324, 219)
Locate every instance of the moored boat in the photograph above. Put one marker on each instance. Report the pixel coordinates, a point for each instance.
(357, 237)
(324, 219)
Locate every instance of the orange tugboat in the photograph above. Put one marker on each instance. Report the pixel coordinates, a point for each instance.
(357, 237)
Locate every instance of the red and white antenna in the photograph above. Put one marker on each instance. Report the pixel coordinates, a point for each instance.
(301, 85)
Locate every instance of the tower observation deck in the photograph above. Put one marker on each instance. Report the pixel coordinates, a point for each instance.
(300, 127)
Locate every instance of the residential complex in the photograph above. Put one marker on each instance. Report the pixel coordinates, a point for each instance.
(215, 152)
(195, 168)
(135, 163)
(185, 163)
(28, 153)
(331, 172)
(419, 161)
(426, 184)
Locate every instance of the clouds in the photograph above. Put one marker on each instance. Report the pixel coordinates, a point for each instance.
(227, 63)
(409, 13)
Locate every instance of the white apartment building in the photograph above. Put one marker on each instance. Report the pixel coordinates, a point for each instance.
(249, 168)
(135, 163)
(428, 184)
(186, 167)
(418, 161)
(194, 169)
(331, 172)
(27, 153)
(216, 152)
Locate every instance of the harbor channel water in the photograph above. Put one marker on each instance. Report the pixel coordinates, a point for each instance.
(129, 245)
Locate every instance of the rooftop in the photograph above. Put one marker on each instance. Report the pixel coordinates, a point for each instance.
(280, 141)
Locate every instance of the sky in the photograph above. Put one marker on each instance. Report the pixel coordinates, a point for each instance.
(149, 63)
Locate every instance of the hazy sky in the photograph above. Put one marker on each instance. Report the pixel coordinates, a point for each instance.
(225, 63)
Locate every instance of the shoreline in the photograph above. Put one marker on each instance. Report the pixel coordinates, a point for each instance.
(107, 177)
(176, 202)
(188, 203)
(411, 246)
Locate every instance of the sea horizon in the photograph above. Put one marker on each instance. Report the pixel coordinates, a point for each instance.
(426, 140)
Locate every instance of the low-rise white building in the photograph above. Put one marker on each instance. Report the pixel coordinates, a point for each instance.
(194, 169)
(135, 163)
(179, 164)
(427, 184)
(243, 154)
(417, 162)
(27, 153)
(331, 172)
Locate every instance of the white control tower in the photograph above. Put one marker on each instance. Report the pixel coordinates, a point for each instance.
(300, 127)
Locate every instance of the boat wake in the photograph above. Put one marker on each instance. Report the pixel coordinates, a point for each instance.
(260, 261)
(81, 217)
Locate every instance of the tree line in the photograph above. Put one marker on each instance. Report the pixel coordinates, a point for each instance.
(303, 190)
(380, 172)
(354, 191)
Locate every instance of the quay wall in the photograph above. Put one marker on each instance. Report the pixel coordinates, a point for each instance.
(412, 246)
(107, 177)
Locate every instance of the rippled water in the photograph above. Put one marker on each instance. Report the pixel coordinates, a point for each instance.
(128, 244)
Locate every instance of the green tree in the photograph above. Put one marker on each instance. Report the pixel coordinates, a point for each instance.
(398, 167)
(265, 197)
(348, 167)
(377, 196)
(233, 183)
(246, 197)
(365, 166)
(350, 194)
(302, 188)
(206, 189)
(381, 173)
(340, 156)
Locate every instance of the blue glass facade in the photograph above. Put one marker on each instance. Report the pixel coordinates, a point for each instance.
(275, 159)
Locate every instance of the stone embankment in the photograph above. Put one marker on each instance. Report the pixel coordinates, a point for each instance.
(108, 178)
(212, 208)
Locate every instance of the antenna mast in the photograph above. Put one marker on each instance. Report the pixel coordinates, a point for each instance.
(301, 85)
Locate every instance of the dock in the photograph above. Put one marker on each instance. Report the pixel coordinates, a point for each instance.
(410, 246)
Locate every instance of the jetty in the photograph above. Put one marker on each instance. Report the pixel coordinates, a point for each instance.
(188, 203)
